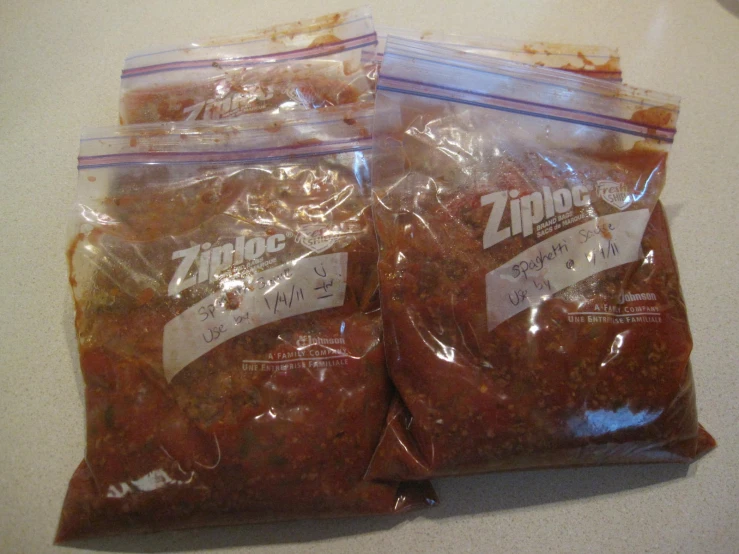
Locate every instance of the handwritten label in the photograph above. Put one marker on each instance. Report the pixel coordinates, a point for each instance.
(561, 261)
(297, 287)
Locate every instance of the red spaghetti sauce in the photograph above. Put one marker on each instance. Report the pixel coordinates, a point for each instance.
(530, 296)
(236, 94)
(307, 64)
(277, 422)
(597, 372)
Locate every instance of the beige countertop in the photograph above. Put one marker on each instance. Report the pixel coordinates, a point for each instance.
(59, 70)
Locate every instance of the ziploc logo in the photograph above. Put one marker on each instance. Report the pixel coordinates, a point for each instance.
(616, 194)
(316, 237)
(526, 211)
(235, 104)
(202, 263)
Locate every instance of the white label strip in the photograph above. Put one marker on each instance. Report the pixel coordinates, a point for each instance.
(297, 287)
(561, 261)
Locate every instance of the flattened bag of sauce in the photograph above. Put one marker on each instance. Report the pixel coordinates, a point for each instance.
(225, 283)
(531, 302)
(303, 65)
(600, 62)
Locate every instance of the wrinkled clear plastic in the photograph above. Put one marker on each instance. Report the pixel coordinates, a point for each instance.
(596, 61)
(307, 64)
(258, 232)
(531, 302)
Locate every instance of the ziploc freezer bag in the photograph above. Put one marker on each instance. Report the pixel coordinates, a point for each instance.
(308, 64)
(531, 301)
(224, 278)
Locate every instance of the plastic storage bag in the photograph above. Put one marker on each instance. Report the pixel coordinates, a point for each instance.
(531, 302)
(307, 64)
(225, 285)
(600, 62)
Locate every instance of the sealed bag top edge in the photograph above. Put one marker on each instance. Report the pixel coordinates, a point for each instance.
(320, 36)
(436, 71)
(258, 136)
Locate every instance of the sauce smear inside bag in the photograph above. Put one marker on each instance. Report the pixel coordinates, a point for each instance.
(600, 62)
(308, 64)
(225, 285)
(531, 303)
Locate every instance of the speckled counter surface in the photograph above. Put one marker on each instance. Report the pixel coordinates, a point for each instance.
(59, 70)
